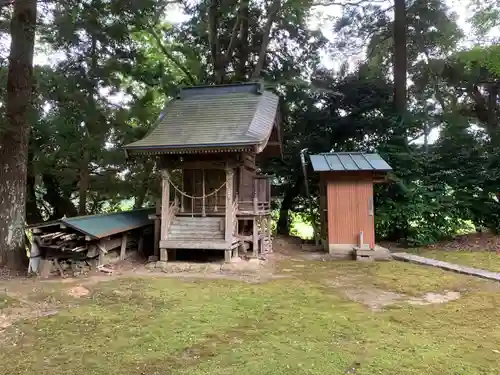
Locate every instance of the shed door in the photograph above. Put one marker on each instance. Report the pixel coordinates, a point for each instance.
(350, 211)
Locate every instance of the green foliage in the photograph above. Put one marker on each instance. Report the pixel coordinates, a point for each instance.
(301, 226)
(119, 61)
(486, 57)
(486, 16)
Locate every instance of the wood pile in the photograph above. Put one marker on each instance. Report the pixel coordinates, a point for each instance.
(63, 251)
(63, 241)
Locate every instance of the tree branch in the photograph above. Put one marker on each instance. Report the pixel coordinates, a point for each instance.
(171, 57)
(213, 40)
(243, 51)
(273, 11)
(232, 41)
(346, 3)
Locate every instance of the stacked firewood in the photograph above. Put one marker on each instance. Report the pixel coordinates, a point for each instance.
(63, 241)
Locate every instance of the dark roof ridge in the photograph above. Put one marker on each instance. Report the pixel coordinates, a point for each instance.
(256, 88)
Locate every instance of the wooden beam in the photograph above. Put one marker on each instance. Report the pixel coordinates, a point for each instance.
(123, 249)
(203, 213)
(193, 192)
(268, 221)
(156, 246)
(107, 244)
(255, 238)
(207, 164)
(165, 206)
(229, 205)
(140, 244)
(273, 143)
(165, 203)
(255, 199)
(182, 188)
(201, 245)
(102, 253)
(163, 252)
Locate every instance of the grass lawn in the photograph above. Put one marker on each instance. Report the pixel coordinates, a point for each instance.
(295, 325)
(6, 301)
(480, 259)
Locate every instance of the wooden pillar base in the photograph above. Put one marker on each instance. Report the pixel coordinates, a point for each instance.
(227, 255)
(45, 268)
(140, 244)
(255, 238)
(157, 229)
(163, 255)
(123, 250)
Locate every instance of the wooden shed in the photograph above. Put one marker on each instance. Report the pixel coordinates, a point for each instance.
(346, 198)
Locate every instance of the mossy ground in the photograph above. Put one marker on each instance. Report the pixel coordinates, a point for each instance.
(295, 325)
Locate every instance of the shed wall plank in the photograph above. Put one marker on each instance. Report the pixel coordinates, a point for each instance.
(348, 210)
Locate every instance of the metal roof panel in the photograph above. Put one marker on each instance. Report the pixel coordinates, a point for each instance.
(103, 225)
(334, 163)
(319, 163)
(348, 161)
(361, 162)
(377, 162)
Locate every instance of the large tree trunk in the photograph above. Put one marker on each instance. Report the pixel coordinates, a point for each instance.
(32, 212)
(14, 138)
(241, 69)
(400, 57)
(213, 39)
(91, 125)
(283, 225)
(84, 182)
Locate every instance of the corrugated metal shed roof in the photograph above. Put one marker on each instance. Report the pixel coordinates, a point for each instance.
(210, 116)
(104, 225)
(348, 161)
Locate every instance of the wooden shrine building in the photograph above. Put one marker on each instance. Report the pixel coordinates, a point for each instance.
(207, 143)
(346, 199)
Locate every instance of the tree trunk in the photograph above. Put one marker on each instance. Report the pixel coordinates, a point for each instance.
(14, 138)
(426, 138)
(58, 198)
(400, 57)
(213, 39)
(83, 184)
(92, 124)
(243, 45)
(32, 212)
(492, 110)
(266, 37)
(283, 225)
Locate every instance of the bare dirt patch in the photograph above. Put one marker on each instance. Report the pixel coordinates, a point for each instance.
(435, 298)
(11, 315)
(78, 291)
(376, 299)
